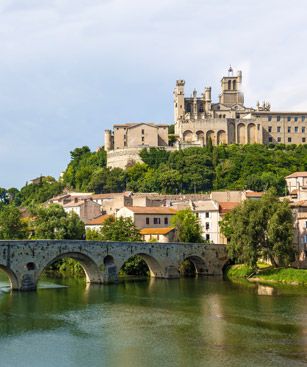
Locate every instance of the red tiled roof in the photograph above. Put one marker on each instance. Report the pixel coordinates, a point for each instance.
(162, 231)
(227, 206)
(151, 210)
(253, 194)
(297, 174)
(98, 220)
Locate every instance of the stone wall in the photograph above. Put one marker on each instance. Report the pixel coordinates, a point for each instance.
(24, 261)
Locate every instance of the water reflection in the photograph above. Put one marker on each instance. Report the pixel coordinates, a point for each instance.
(185, 322)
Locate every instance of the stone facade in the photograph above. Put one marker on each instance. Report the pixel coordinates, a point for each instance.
(24, 261)
(198, 119)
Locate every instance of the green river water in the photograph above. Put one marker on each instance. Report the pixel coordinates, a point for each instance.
(185, 322)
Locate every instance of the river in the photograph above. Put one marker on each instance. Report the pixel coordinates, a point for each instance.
(185, 322)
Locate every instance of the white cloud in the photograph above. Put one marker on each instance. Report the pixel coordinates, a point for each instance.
(70, 68)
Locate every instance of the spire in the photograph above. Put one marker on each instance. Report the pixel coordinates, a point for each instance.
(230, 71)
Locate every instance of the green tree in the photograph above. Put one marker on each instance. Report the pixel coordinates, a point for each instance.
(187, 226)
(11, 225)
(54, 223)
(116, 229)
(260, 229)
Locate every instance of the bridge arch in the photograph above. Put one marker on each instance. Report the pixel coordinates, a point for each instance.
(199, 264)
(91, 269)
(12, 277)
(155, 268)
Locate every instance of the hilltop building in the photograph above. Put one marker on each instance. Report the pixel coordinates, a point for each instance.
(198, 119)
(229, 121)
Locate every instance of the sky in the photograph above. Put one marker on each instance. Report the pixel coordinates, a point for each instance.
(71, 68)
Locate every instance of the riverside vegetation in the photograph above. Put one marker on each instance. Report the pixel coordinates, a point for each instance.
(194, 170)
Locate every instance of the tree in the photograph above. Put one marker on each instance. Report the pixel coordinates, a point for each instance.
(54, 223)
(187, 226)
(11, 225)
(117, 229)
(260, 229)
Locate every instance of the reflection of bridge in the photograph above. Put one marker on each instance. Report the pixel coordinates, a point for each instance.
(24, 261)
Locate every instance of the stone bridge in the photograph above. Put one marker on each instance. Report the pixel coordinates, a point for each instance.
(24, 261)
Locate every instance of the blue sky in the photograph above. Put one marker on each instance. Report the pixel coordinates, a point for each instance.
(71, 68)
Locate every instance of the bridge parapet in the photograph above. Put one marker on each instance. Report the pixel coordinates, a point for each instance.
(24, 261)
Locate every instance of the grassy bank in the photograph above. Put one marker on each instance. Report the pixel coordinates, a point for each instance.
(268, 274)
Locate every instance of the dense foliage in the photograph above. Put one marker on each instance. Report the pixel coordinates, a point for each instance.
(256, 167)
(54, 223)
(11, 225)
(188, 227)
(115, 229)
(260, 229)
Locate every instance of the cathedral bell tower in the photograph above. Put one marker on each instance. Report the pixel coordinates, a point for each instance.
(231, 86)
(179, 110)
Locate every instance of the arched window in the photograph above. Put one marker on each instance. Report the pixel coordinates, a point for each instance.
(234, 85)
(229, 84)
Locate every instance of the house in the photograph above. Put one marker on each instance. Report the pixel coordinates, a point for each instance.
(208, 214)
(299, 210)
(148, 217)
(110, 203)
(296, 181)
(164, 235)
(86, 209)
(97, 222)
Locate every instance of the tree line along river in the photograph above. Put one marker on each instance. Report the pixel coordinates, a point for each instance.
(184, 322)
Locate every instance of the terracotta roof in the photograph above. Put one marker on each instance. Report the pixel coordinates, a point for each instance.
(205, 205)
(300, 203)
(98, 220)
(72, 204)
(156, 230)
(151, 210)
(297, 174)
(227, 206)
(131, 124)
(253, 194)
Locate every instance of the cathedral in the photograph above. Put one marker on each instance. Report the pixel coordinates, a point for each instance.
(198, 120)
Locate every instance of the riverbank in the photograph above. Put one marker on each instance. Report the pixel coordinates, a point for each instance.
(289, 276)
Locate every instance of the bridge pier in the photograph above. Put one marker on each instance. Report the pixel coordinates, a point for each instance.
(171, 272)
(24, 261)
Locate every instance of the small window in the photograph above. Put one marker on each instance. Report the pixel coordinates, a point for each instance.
(278, 118)
(303, 129)
(269, 118)
(165, 220)
(289, 118)
(157, 221)
(143, 131)
(270, 139)
(147, 221)
(303, 140)
(305, 238)
(289, 140)
(207, 225)
(278, 129)
(208, 237)
(296, 129)
(303, 118)
(207, 215)
(279, 139)
(270, 129)
(143, 138)
(295, 118)
(289, 129)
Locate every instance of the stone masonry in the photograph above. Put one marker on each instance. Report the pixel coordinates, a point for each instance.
(24, 261)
